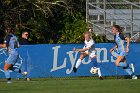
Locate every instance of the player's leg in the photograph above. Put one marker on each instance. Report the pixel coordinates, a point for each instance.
(95, 65)
(129, 70)
(79, 61)
(8, 65)
(94, 61)
(7, 72)
(121, 62)
(99, 73)
(15, 69)
(82, 56)
(13, 60)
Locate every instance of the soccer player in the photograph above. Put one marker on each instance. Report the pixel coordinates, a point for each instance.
(88, 49)
(11, 43)
(122, 43)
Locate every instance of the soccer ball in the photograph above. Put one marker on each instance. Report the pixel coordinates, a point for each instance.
(93, 70)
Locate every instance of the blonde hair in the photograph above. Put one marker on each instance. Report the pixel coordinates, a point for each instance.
(89, 33)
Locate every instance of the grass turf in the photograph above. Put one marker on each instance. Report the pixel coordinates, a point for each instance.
(79, 85)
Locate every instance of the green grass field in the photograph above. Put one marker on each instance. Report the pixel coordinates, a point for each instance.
(78, 85)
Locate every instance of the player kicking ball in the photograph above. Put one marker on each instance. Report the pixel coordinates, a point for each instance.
(12, 45)
(122, 43)
(88, 49)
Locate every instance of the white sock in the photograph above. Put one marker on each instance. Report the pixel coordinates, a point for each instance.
(79, 61)
(99, 72)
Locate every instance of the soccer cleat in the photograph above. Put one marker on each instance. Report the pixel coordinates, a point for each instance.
(74, 69)
(101, 78)
(9, 82)
(18, 78)
(134, 77)
(28, 79)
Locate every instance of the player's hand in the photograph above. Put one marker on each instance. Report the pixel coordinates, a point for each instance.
(111, 50)
(127, 50)
(74, 49)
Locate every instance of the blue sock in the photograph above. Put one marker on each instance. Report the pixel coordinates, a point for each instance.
(16, 69)
(128, 71)
(126, 68)
(122, 64)
(7, 74)
(94, 61)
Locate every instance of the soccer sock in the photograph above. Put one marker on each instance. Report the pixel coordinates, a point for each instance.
(122, 64)
(94, 61)
(7, 74)
(99, 72)
(126, 68)
(16, 69)
(79, 61)
(129, 71)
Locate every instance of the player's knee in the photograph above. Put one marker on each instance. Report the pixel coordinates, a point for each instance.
(117, 64)
(5, 68)
(81, 57)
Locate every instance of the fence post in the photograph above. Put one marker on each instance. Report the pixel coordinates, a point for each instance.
(131, 20)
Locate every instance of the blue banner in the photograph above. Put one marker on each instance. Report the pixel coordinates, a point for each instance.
(57, 60)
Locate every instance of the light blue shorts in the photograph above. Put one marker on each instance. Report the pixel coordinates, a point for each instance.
(122, 54)
(13, 58)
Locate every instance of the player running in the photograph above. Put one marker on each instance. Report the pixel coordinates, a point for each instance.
(89, 49)
(12, 45)
(122, 43)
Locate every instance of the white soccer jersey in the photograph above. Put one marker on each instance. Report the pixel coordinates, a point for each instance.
(90, 45)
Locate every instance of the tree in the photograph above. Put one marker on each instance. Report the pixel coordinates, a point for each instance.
(45, 19)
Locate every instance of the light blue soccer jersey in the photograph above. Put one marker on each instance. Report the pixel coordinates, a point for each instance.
(11, 42)
(120, 41)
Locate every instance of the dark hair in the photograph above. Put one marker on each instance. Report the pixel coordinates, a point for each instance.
(24, 32)
(9, 30)
(118, 28)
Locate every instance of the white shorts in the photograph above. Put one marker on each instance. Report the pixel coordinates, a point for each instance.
(92, 54)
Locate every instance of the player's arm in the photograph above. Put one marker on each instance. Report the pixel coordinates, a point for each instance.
(80, 50)
(2, 45)
(113, 48)
(18, 45)
(127, 39)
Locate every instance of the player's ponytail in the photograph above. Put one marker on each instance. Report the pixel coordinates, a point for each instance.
(8, 31)
(120, 29)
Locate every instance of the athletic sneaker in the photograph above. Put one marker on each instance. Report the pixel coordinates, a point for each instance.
(9, 82)
(101, 78)
(28, 79)
(74, 69)
(134, 77)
